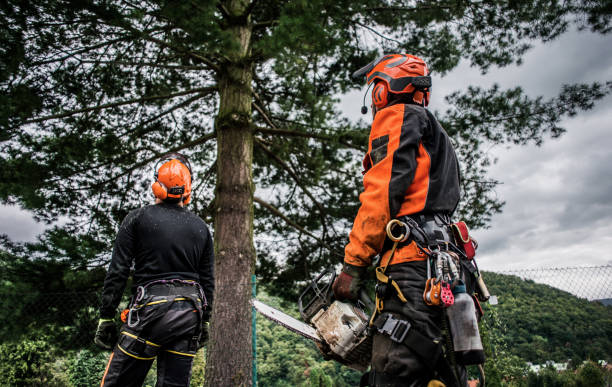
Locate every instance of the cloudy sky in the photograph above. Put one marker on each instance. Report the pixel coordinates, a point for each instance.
(558, 197)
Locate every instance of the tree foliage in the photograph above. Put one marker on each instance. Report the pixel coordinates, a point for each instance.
(93, 91)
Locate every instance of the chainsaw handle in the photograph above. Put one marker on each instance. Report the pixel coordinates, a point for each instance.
(367, 301)
(315, 297)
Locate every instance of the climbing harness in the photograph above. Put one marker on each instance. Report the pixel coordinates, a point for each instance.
(446, 265)
(141, 293)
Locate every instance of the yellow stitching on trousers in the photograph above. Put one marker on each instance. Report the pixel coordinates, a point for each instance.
(134, 356)
(161, 302)
(136, 337)
(181, 353)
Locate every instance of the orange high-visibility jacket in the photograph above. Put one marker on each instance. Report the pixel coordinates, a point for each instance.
(410, 168)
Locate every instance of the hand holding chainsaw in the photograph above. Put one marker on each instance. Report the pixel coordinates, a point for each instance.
(349, 282)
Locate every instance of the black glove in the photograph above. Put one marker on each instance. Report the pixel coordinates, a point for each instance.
(349, 282)
(203, 334)
(106, 334)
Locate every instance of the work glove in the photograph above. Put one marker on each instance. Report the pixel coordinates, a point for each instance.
(349, 282)
(203, 334)
(106, 334)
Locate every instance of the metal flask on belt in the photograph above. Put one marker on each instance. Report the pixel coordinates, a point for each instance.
(464, 328)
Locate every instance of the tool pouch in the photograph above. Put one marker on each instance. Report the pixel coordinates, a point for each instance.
(463, 238)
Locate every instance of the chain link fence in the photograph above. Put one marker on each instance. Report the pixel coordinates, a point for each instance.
(590, 282)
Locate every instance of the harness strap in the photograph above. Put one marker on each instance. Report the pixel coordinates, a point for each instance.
(380, 275)
(401, 331)
(428, 350)
(380, 270)
(373, 379)
(165, 304)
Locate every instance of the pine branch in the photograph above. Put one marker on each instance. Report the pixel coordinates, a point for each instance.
(197, 141)
(147, 64)
(192, 54)
(263, 114)
(289, 132)
(277, 212)
(107, 163)
(120, 23)
(120, 103)
(296, 178)
(377, 33)
(418, 8)
(265, 24)
(179, 105)
(294, 133)
(80, 51)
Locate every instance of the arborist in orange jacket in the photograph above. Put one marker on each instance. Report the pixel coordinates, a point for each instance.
(410, 171)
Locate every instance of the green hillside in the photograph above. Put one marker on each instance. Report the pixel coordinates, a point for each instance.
(532, 322)
(540, 323)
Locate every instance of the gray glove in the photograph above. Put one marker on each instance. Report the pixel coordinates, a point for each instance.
(106, 334)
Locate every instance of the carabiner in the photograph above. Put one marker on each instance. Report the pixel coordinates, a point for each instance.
(129, 319)
(402, 237)
(140, 293)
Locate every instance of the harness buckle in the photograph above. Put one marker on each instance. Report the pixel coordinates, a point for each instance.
(396, 329)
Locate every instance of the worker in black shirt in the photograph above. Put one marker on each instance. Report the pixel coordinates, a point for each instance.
(171, 250)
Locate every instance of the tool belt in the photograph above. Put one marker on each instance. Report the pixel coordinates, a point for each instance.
(165, 292)
(435, 228)
(426, 231)
(422, 233)
(433, 236)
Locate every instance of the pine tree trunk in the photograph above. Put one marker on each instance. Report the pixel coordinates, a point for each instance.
(229, 356)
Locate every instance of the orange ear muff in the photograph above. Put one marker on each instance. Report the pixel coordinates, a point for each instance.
(418, 97)
(380, 95)
(159, 190)
(187, 199)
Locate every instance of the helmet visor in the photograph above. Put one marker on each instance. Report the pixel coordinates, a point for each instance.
(367, 68)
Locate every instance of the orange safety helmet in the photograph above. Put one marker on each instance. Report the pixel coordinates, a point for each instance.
(397, 74)
(173, 178)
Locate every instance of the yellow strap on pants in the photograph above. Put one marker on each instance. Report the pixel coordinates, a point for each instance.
(435, 383)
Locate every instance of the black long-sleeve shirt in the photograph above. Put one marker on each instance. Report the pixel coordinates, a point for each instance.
(164, 241)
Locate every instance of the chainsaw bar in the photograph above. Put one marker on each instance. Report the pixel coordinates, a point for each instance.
(287, 321)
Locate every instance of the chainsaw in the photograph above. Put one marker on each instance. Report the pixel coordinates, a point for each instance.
(340, 329)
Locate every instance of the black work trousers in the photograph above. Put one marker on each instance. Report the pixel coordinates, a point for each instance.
(163, 327)
(395, 363)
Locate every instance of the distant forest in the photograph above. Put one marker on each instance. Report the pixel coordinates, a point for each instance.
(542, 323)
(56, 318)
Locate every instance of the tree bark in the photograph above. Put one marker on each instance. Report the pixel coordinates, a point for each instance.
(230, 355)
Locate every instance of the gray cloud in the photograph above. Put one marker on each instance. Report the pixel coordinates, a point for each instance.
(18, 224)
